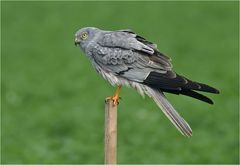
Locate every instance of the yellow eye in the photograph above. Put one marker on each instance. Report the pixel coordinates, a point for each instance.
(84, 35)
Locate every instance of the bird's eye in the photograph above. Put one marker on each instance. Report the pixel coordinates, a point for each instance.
(84, 35)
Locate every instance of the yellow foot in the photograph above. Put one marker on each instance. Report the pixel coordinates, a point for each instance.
(114, 98)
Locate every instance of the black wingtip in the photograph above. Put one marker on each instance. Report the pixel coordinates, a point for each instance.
(212, 90)
(210, 102)
(217, 91)
(207, 88)
(197, 96)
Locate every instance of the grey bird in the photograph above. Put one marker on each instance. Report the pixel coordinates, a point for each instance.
(124, 58)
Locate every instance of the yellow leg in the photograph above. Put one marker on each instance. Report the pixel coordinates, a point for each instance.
(115, 97)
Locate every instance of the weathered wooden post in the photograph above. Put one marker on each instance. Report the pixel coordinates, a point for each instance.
(110, 132)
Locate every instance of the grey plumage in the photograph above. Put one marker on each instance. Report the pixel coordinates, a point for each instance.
(124, 58)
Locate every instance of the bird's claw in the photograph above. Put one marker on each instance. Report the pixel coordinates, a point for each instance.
(114, 98)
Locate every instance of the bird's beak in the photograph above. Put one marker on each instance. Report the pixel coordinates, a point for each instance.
(76, 42)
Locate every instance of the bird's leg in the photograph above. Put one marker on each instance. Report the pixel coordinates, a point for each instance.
(115, 97)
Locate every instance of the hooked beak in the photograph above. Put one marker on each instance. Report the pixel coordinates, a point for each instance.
(76, 42)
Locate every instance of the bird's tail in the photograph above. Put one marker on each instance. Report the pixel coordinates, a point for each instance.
(169, 111)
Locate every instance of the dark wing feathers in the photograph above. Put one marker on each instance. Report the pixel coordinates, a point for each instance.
(178, 85)
(168, 80)
(207, 88)
(196, 96)
(190, 93)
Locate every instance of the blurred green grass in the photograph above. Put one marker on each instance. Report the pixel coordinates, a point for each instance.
(53, 100)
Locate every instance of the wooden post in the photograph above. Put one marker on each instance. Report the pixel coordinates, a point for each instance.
(110, 133)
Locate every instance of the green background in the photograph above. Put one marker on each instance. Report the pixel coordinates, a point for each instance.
(53, 100)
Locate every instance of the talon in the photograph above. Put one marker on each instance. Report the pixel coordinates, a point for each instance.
(115, 98)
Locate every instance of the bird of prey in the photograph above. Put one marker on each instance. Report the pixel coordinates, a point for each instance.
(124, 58)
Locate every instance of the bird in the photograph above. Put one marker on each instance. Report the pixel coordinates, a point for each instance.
(124, 58)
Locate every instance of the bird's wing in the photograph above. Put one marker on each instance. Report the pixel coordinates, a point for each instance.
(126, 63)
(124, 53)
(155, 68)
(131, 56)
(157, 56)
(128, 40)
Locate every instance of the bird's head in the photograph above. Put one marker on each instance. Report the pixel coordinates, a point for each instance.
(84, 35)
